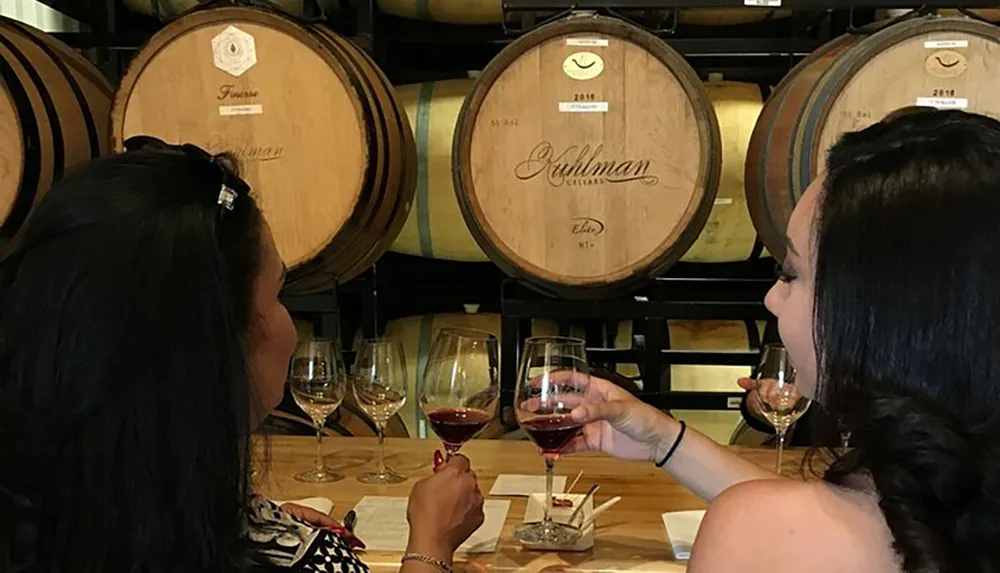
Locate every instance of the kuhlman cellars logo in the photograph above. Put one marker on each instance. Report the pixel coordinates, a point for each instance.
(583, 165)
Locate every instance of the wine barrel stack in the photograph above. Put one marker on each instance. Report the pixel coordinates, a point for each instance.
(583, 157)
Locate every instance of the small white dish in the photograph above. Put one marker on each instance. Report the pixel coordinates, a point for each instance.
(534, 512)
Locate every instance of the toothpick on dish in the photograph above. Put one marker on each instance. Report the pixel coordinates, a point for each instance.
(570, 488)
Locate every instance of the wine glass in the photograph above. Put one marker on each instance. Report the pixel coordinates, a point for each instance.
(552, 380)
(318, 380)
(777, 397)
(380, 388)
(461, 385)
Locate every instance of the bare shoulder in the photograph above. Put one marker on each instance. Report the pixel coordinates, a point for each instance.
(813, 521)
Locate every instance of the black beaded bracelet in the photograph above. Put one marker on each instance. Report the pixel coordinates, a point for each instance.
(673, 448)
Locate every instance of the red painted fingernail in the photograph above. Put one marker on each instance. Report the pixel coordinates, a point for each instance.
(438, 459)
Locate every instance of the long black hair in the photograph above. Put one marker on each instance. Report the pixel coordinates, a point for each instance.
(907, 328)
(124, 393)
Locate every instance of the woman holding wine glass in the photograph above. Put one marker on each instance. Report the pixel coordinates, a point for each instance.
(887, 304)
(142, 340)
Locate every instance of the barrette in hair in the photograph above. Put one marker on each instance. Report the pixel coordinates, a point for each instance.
(226, 197)
(232, 185)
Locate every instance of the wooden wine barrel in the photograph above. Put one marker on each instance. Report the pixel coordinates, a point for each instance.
(491, 12)
(320, 134)
(171, 9)
(53, 115)
(729, 235)
(929, 61)
(417, 333)
(435, 227)
(610, 174)
(767, 186)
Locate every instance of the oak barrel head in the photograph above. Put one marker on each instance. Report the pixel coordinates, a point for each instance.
(587, 157)
(269, 90)
(931, 61)
(928, 61)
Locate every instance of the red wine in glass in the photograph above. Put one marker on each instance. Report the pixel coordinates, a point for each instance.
(455, 426)
(552, 379)
(551, 433)
(461, 385)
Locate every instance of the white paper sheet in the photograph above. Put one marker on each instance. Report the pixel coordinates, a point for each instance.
(382, 525)
(682, 527)
(525, 485)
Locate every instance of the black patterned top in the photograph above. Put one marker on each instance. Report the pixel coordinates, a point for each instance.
(290, 543)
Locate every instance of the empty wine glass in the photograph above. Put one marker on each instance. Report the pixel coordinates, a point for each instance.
(777, 397)
(552, 380)
(461, 385)
(380, 389)
(318, 381)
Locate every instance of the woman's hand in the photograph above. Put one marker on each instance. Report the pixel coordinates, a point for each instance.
(445, 509)
(768, 391)
(619, 424)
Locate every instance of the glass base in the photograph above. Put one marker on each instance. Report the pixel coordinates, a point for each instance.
(376, 478)
(318, 476)
(547, 533)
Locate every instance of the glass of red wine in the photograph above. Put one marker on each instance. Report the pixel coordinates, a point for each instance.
(552, 380)
(461, 385)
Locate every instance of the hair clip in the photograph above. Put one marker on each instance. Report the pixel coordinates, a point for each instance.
(232, 185)
(226, 197)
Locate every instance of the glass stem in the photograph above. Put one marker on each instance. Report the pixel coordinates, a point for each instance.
(381, 448)
(319, 448)
(781, 449)
(550, 466)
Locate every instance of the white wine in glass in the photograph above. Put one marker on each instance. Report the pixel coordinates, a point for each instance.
(777, 397)
(380, 389)
(318, 380)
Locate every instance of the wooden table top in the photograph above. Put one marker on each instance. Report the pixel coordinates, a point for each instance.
(629, 536)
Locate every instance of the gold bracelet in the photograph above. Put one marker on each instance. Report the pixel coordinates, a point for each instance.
(429, 560)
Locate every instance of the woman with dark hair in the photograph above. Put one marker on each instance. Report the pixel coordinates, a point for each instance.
(141, 342)
(888, 305)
